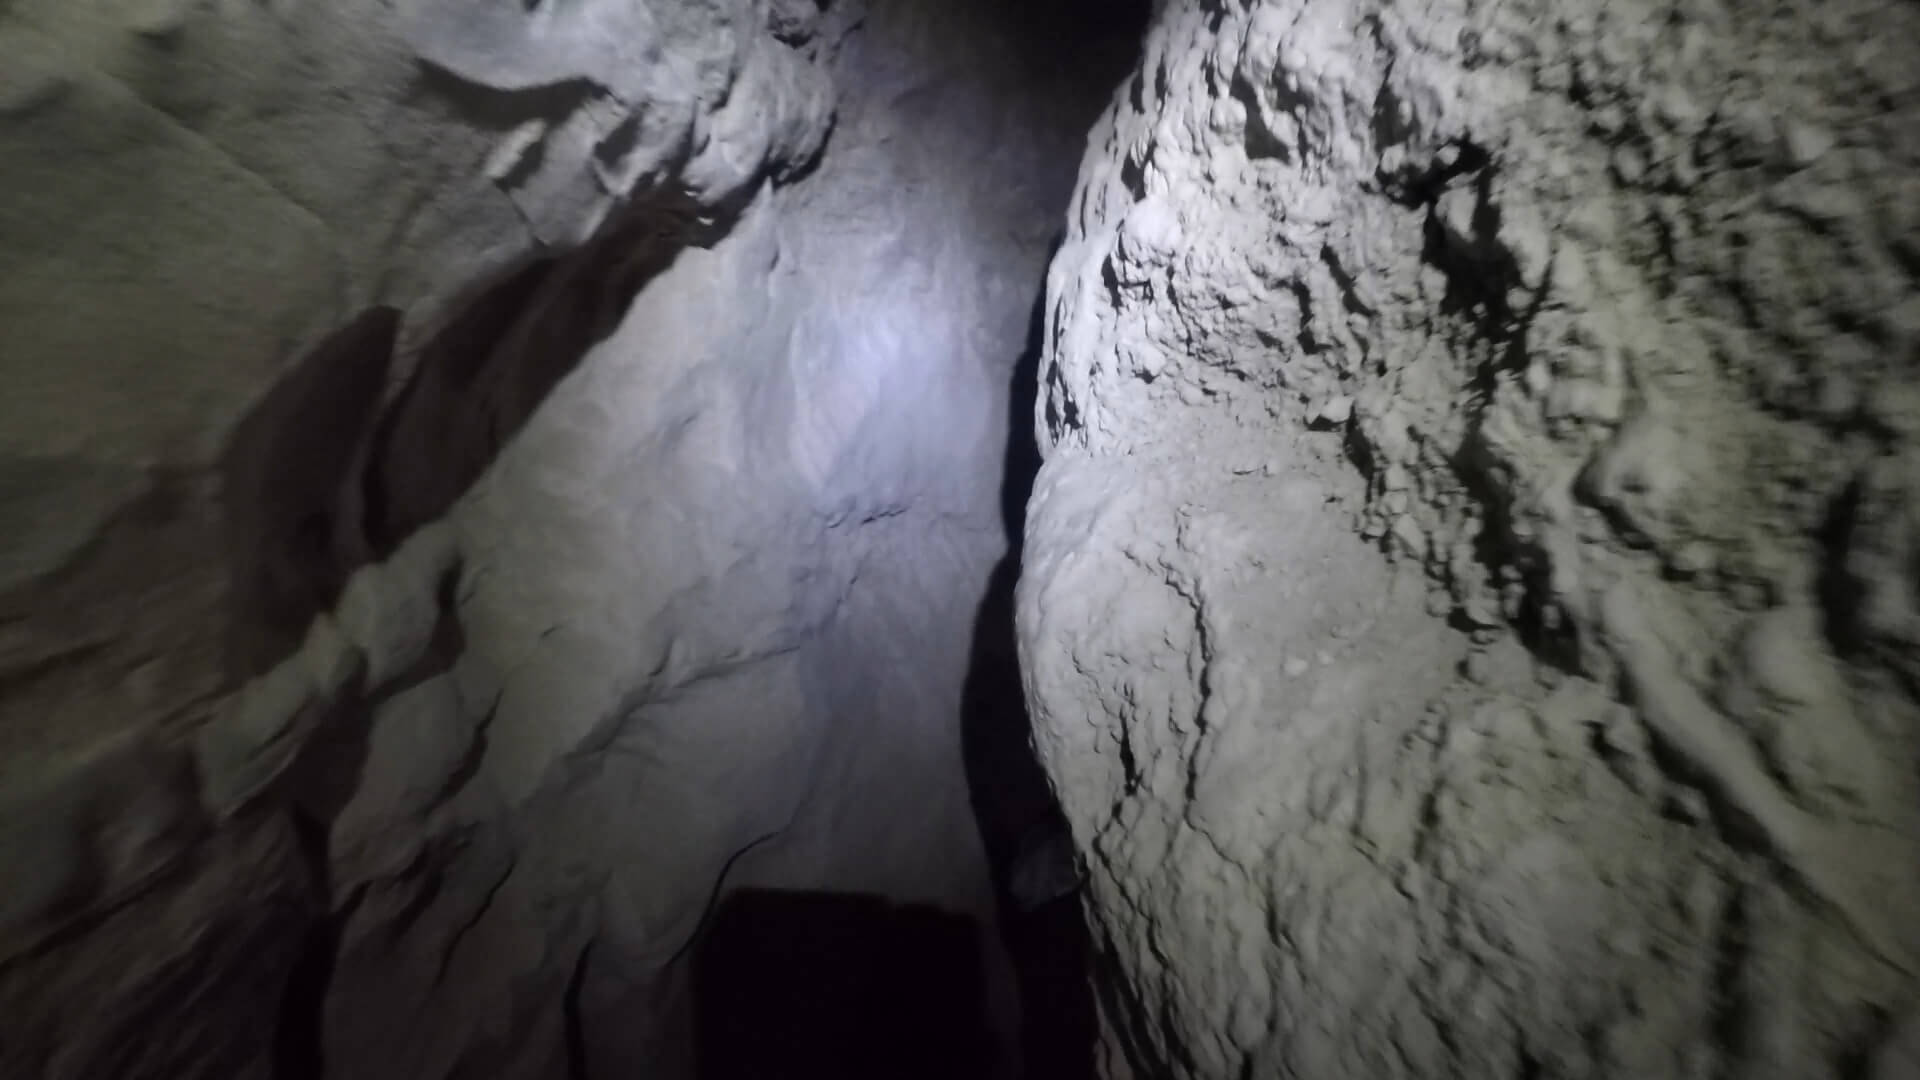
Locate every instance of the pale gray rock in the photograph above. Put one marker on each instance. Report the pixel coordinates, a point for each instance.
(1575, 328)
(469, 470)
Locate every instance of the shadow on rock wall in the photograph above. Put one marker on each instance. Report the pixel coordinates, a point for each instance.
(319, 481)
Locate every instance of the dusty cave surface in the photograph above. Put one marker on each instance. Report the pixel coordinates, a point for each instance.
(1469, 608)
(510, 513)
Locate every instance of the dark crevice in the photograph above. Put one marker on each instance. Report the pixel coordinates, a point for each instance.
(1011, 794)
(578, 1060)
(1500, 548)
(315, 788)
(1841, 593)
(1415, 185)
(1732, 1014)
(299, 1035)
(803, 984)
(1110, 979)
(1480, 276)
(1133, 174)
(1349, 293)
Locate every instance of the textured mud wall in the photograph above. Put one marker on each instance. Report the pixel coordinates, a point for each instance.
(1471, 597)
(468, 471)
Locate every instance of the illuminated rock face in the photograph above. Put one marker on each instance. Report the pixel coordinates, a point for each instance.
(1469, 608)
(471, 470)
(483, 483)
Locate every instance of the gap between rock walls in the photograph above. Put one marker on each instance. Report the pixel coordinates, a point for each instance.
(634, 477)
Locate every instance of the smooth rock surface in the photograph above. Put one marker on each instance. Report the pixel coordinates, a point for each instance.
(471, 471)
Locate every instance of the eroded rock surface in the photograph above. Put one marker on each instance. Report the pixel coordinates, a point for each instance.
(470, 471)
(1469, 599)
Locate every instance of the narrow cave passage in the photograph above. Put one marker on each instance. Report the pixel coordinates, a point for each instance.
(706, 539)
(590, 651)
(884, 990)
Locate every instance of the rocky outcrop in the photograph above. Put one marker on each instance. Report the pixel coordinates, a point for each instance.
(199, 193)
(1469, 600)
(472, 471)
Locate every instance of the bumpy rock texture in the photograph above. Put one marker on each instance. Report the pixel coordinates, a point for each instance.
(1472, 594)
(469, 471)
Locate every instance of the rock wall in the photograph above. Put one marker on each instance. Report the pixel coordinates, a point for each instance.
(480, 482)
(1470, 603)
